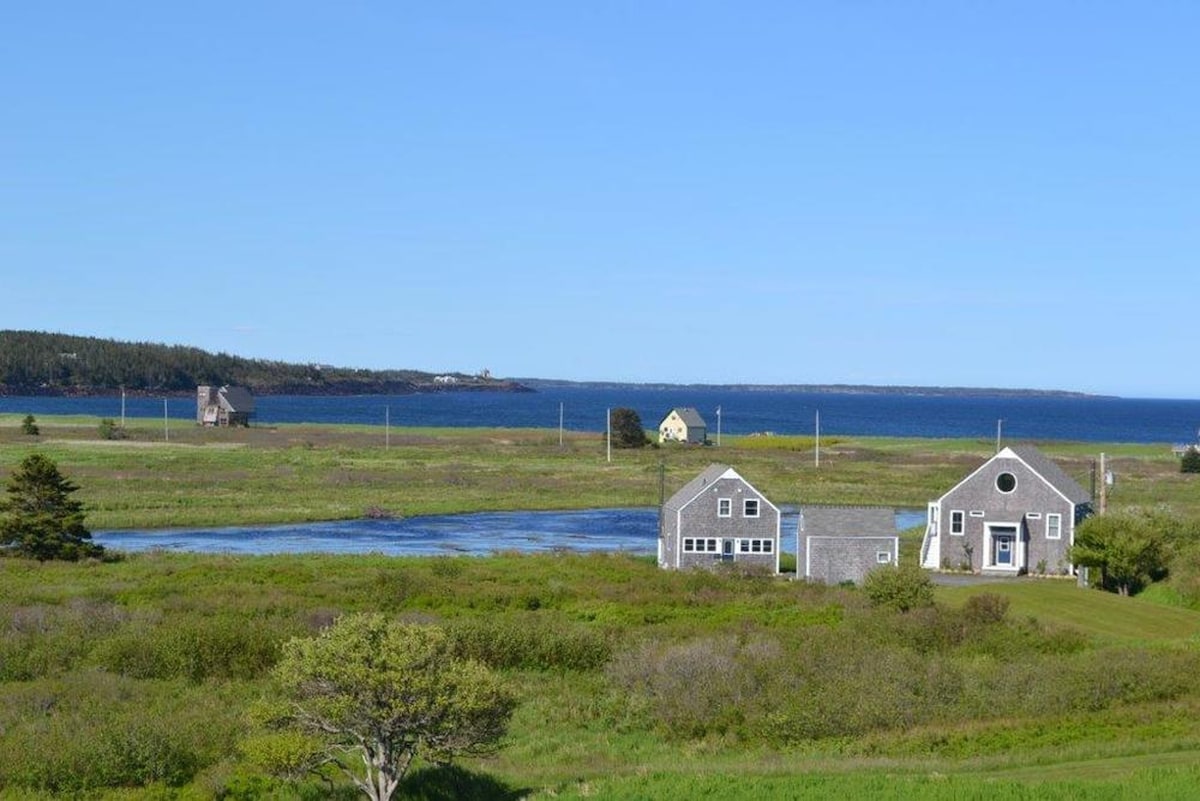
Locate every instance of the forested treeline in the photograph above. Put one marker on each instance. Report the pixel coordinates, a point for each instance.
(33, 362)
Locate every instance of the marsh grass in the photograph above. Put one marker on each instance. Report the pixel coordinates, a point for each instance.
(297, 473)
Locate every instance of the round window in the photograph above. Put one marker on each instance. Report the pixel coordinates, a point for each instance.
(1006, 482)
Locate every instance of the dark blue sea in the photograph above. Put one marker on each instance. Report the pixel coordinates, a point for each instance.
(743, 411)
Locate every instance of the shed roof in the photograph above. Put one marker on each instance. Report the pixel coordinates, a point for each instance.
(847, 521)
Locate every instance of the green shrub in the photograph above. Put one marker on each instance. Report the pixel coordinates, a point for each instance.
(530, 642)
(29, 426)
(900, 588)
(1190, 463)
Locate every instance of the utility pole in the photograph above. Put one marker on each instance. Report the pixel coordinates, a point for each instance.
(166, 423)
(718, 426)
(1103, 484)
(999, 427)
(122, 407)
(817, 450)
(608, 432)
(560, 424)
(387, 427)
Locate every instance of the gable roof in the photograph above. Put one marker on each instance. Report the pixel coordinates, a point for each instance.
(694, 488)
(1057, 477)
(690, 417)
(847, 521)
(236, 399)
(1040, 464)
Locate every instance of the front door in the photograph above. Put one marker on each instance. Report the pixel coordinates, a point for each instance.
(1004, 547)
(727, 549)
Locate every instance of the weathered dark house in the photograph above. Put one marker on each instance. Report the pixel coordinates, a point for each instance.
(719, 517)
(844, 543)
(683, 424)
(1015, 514)
(223, 406)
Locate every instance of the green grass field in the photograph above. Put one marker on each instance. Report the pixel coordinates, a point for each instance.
(134, 680)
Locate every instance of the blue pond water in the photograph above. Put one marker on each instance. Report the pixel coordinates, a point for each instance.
(628, 530)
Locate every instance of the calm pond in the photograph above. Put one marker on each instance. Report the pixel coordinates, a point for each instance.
(629, 530)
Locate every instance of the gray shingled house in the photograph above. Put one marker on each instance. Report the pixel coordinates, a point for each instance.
(1015, 514)
(683, 424)
(844, 543)
(719, 517)
(224, 406)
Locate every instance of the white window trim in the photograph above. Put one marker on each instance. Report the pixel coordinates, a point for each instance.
(996, 483)
(977, 513)
(727, 505)
(962, 522)
(1055, 519)
(1034, 515)
(883, 557)
(746, 507)
(705, 545)
(760, 546)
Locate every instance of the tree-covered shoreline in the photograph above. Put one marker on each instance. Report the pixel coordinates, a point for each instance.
(50, 364)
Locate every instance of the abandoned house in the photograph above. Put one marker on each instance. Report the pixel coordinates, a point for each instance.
(223, 406)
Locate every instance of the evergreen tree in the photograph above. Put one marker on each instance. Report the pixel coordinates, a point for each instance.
(29, 426)
(626, 426)
(1191, 461)
(40, 518)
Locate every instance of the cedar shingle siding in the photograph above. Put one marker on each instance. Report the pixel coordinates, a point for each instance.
(844, 543)
(719, 517)
(1015, 514)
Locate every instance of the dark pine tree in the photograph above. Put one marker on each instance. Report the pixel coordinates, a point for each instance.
(40, 518)
(627, 431)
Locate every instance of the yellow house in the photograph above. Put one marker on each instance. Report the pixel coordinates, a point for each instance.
(683, 424)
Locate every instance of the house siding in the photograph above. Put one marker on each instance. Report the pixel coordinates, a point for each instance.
(833, 560)
(1032, 495)
(694, 514)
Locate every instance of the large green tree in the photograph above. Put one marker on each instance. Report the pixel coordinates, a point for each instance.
(375, 693)
(39, 518)
(1130, 549)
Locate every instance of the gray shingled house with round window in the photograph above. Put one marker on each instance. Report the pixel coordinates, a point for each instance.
(1014, 514)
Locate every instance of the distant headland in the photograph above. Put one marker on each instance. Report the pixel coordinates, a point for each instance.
(36, 363)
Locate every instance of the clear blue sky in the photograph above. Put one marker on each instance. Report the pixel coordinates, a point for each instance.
(951, 193)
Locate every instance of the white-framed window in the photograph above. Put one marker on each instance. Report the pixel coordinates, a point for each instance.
(701, 545)
(756, 546)
(750, 507)
(1034, 515)
(1006, 482)
(1053, 527)
(956, 522)
(976, 513)
(724, 507)
(883, 557)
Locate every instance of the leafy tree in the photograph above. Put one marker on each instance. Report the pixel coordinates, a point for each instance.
(1129, 549)
(899, 587)
(375, 693)
(1190, 463)
(108, 429)
(40, 518)
(626, 427)
(29, 426)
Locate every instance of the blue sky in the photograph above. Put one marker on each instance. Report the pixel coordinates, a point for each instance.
(968, 194)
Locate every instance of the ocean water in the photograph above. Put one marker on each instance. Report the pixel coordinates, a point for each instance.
(743, 411)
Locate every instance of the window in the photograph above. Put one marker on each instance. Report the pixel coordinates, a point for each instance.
(1006, 482)
(883, 557)
(724, 507)
(1054, 527)
(699, 545)
(976, 513)
(750, 507)
(744, 546)
(1034, 515)
(756, 546)
(956, 522)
